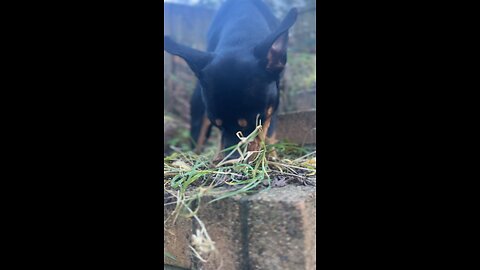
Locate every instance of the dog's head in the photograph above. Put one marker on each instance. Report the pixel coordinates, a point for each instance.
(239, 85)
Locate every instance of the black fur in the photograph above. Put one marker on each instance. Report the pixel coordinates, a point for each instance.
(236, 78)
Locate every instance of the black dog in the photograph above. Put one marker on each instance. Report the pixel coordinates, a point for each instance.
(240, 73)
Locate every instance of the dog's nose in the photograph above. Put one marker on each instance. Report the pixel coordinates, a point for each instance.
(228, 142)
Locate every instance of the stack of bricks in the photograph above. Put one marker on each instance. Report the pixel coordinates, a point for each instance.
(275, 229)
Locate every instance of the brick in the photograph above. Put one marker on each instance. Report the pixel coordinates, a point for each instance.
(176, 239)
(275, 229)
(282, 229)
(224, 226)
(298, 127)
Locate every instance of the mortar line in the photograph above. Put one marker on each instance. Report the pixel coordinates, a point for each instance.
(244, 213)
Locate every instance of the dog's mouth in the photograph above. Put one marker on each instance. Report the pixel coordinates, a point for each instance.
(253, 148)
(243, 148)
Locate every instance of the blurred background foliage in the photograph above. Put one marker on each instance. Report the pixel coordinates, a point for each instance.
(187, 22)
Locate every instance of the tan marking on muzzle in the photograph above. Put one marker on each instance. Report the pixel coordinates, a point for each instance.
(269, 111)
(256, 144)
(272, 139)
(266, 125)
(265, 128)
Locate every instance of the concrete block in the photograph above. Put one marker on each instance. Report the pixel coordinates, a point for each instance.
(176, 239)
(298, 127)
(275, 229)
(282, 229)
(223, 220)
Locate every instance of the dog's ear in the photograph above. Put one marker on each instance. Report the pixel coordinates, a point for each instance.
(272, 51)
(196, 59)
